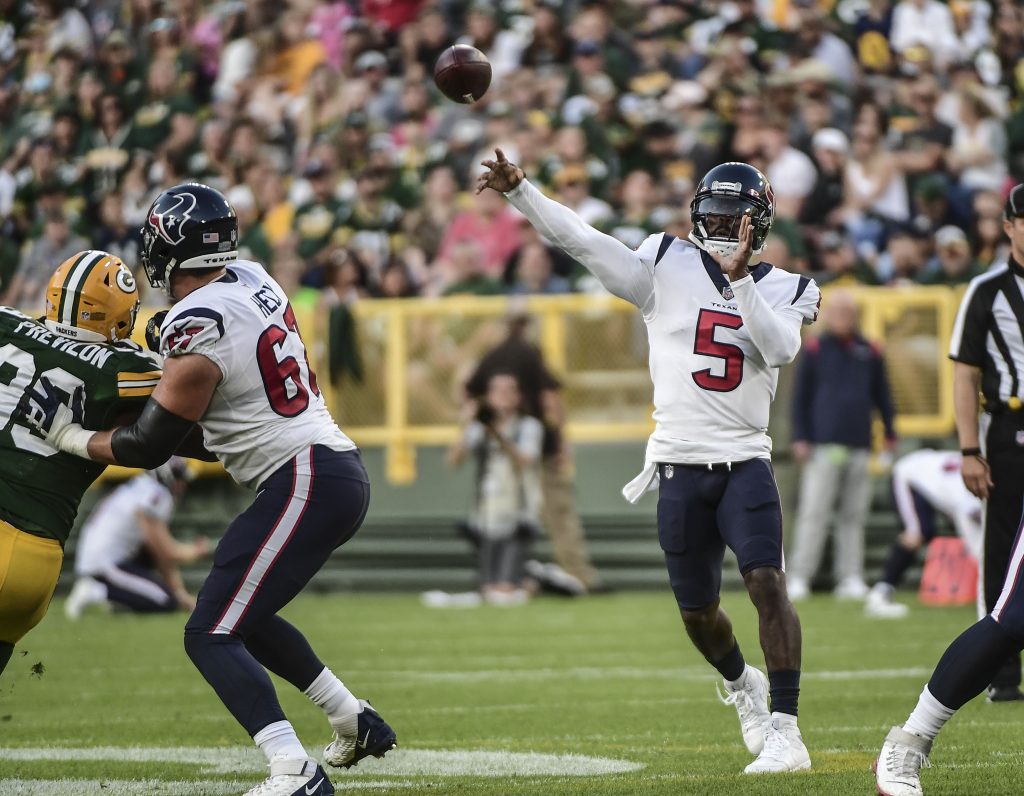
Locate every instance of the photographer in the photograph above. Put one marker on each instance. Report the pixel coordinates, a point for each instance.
(572, 573)
(507, 447)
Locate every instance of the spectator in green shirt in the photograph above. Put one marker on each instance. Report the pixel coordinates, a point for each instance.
(252, 240)
(315, 220)
(152, 121)
(953, 263)
(119, 69)
(106, 146)
(464, 272)
(840, 264)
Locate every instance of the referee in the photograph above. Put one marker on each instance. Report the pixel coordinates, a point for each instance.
(988, 349)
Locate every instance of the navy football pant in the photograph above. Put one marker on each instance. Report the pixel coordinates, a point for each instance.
(137, 587)
(307, 508)
(701, 510)
(1003, 516)
(979, 655)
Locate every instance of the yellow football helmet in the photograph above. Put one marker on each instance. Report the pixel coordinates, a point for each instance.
(92, 296)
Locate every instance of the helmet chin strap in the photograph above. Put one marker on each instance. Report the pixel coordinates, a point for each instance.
(168, 291)
(724, 248)
(76, 332)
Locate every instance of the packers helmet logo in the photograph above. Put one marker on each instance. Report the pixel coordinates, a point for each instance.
(125, 280)
(168, 222)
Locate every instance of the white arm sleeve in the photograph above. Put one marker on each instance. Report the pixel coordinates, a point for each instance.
(622, 271)
(775, 332)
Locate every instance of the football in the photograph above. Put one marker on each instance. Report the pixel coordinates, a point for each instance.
(462, 73)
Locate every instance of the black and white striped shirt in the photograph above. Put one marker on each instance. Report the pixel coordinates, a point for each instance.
(989, 332)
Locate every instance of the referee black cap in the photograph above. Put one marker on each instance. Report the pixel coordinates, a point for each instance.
(1015, 202)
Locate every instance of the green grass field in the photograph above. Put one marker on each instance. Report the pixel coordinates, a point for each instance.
(599, 696)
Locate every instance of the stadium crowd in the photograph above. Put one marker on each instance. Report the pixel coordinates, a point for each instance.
(890, 132)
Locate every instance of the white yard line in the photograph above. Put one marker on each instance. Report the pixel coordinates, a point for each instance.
(400, 763)
(627, 673)
(154, 787)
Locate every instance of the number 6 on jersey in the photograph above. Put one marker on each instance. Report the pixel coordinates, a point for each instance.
(281, 371)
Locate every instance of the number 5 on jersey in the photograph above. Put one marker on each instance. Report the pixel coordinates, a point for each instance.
(276, 355)
(705, 343)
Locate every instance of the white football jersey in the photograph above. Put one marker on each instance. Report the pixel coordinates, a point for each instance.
(267, 407)
(713, 385)
(935, 476)
(112, 534)
(715, 345)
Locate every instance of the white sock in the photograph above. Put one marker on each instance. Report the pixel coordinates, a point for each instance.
(279, 740)
(780, 720)
(330, 693)
(928, 717)
(739, 682)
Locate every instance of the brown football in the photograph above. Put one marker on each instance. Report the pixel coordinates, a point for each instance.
(462, 73)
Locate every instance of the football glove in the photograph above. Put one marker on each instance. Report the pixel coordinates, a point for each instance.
(153, 331)
(60, 424)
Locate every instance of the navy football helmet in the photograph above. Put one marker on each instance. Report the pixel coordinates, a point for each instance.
(190, 226)
(726, 194)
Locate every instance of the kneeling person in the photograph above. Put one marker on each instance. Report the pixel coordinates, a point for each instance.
(924, 483)
(126, 555)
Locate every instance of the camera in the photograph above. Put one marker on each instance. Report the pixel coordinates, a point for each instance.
(485, 415)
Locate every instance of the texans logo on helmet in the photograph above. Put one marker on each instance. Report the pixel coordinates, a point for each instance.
(168, 221)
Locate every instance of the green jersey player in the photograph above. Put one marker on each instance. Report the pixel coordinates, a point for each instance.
(81, 347)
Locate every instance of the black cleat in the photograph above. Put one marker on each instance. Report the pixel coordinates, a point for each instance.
(373, 738)
(1004, 693)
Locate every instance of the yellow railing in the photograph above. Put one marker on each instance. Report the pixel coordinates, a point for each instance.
(426, 349)
(417, 353)
(914, 325)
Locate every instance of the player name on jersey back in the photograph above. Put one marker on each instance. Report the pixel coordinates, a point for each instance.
(40, 487)
(95, 354)
(268, 406)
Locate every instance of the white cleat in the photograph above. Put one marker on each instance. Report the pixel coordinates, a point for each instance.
(784, 750)
(291, 777)
(86, 591)
(798, 589)
(506, 599)
(751, 703)
(442, 599)
(852, 588)
(880, 604)
(897, 769)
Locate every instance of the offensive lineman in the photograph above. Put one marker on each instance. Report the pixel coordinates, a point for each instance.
(718, 331)
(81, 349)
(236, 365)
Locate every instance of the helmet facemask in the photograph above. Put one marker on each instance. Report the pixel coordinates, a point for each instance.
(716, 222)
(157, 261)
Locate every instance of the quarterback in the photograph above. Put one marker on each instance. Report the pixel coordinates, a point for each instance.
(236, 365)
(718, 330)
(80, 352)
